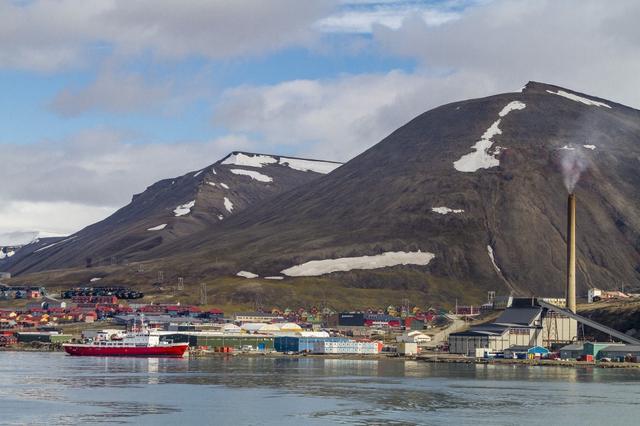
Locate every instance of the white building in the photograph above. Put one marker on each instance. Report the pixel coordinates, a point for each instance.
(595, 294)
(346, 347)
(414, 336)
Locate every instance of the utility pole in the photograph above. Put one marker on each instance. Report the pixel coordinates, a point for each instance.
(180, 283)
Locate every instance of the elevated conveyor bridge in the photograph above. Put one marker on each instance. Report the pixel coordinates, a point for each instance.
(590, 323)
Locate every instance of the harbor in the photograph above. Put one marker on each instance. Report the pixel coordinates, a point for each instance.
(309, 390)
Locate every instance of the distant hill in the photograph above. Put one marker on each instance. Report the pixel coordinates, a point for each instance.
(197, 203)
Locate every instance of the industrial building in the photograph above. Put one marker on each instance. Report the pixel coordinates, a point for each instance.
(215, 340)
(620, 352)
(525, 323)
(346, 347)
(600, 350)
(42, 337)
(301, 344)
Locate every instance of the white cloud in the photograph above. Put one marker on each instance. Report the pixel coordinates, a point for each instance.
(339, 118)
(593, 47)
(50, 218)
(49, 35)
(360, 17)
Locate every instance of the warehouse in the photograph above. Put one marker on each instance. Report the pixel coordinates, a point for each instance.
(572, 351)
(620, 352)
(525, 323)
(213, 341)
(43, 337)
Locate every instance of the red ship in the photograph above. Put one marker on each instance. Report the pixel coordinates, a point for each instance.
(137, 343)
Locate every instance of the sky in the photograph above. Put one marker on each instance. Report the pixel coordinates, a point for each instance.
(102, 98)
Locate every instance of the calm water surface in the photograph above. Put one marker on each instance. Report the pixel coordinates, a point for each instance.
(53, 388)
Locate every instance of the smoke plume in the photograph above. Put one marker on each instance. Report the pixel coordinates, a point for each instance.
(573, 163)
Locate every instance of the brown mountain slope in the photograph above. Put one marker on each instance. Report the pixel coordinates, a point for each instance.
(383, 200)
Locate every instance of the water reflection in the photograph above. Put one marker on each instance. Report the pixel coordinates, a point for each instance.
(71, 390)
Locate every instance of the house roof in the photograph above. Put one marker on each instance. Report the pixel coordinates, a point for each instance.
(573, 347)
(518, 348)
(621, 348)
(483, 330)
(519, 316)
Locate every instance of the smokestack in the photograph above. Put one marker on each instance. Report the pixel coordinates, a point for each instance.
(571, 253)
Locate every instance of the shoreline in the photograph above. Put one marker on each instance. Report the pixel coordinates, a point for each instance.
(433, 359)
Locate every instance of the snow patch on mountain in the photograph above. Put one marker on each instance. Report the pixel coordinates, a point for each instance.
(184, 209)
(252, 174)
(446, 210)
(247, 274)
(228, 204)
(580, 99)
(158, 228)
(511, 106)
(493, 259)
(224, 185)
(55, 244)
(256, 160)
(211, 183)
(276, 277)
(591, 147)
(259, 160)
(482, 157)
(320, 267)
(322, 167)
(198, 173)
(8, 254)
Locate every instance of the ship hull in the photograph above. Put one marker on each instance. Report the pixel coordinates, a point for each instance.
(171, 350)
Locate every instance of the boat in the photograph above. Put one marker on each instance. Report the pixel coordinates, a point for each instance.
(139, 342)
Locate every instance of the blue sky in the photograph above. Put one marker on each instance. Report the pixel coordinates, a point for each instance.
(115, 95)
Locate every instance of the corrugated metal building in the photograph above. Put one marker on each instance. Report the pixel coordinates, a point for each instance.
(301, 344)
(619, 352)
(219, 340)
(43, 337)
(523, 324)
(571, 351)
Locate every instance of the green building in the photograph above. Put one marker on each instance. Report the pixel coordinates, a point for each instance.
(213, 341)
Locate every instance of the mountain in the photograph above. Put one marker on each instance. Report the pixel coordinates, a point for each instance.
(196, 203)
(476, 183)
(466, 198)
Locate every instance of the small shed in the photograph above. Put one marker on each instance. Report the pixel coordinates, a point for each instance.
(537, 352)
(572, 351)
(408, 348)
